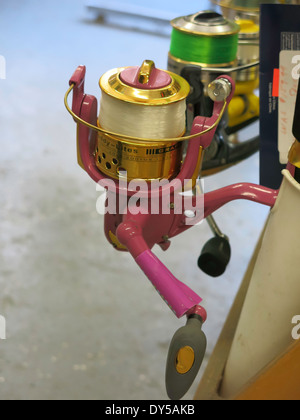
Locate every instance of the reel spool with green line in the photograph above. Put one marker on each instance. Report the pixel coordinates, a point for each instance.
(204, 40)
(203, 46)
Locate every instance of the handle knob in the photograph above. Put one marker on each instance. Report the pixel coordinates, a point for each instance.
(219, 90)
(186, 354)
(215, 257)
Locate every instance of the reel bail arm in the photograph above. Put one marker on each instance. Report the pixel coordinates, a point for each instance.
(86, 107)
(78, 80)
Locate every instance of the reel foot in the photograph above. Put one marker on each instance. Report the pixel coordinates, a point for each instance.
(186, 354)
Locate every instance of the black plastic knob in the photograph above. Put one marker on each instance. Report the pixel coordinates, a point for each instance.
(296, 125)
(215, 257)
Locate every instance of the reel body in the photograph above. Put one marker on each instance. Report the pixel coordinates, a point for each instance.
(138, 232)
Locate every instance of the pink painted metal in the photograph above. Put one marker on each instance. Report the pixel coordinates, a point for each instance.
(200, 123)
(177, 295)
(292, 169)
(158, 78)
(198, 310)
(243, 191)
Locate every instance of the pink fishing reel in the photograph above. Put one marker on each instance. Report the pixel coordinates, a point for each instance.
(137, 232)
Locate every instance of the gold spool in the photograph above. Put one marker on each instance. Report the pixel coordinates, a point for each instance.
(140, 160)
(146, 161)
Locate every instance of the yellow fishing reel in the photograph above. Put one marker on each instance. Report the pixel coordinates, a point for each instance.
(244, 108)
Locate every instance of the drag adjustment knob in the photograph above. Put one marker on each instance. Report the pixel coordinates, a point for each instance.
(215, 256)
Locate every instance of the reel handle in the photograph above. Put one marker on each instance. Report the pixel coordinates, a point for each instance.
(176, 294)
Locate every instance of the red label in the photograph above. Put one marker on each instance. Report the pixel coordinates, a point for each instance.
(276, 78)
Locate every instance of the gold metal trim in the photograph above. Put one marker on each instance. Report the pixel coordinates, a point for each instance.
(146, 161)
(145, 71)
(111, 84)
(229, 5)
(208, 34)
(115, 242)
(219, 33)
(217, 69)
(222, 66)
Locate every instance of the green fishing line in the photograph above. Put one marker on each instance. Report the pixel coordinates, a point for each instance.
(204, 49)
